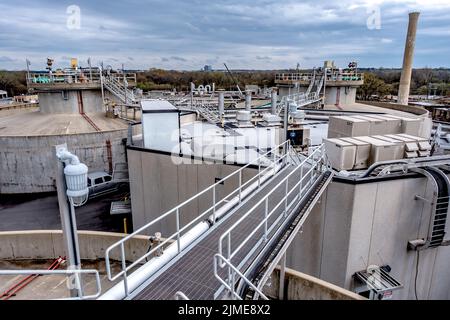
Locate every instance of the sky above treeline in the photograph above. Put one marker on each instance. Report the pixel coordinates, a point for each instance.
(245, 34)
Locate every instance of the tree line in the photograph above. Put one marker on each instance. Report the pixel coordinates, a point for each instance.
(378, 82)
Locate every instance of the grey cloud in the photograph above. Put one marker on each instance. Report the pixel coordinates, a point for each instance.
(189, 33)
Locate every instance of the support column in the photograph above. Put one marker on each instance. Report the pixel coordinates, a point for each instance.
(274, 101)
(248, 100)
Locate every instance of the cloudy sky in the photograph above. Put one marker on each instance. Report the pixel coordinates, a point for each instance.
(246, 34)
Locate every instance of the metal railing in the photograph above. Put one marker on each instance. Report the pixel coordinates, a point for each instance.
(75, 272)
(80, 75)
(315, 163)
(180, 296)
(300, 99)
(219, 259)
(209, 213)
(335, 76)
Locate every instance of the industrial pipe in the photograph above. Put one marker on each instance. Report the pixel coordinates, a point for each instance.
(274, 101)
(248, 100)
(221, 103)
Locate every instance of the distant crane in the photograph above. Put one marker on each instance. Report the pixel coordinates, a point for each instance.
(232, 78)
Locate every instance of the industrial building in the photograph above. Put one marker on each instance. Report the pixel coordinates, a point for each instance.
(307, 194)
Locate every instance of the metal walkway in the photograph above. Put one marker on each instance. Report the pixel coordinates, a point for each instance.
(225, 255)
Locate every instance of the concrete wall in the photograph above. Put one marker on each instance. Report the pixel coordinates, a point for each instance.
(347, 95)
(371, 224)
(49, 244)
(54, 102)
(158, 185)
(27, 164)
(419, 111)
(301, 286)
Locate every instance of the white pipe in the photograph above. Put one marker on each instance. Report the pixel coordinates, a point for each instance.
(143, 273)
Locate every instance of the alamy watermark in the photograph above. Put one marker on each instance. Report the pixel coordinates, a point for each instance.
(373, 21)
(73, 21)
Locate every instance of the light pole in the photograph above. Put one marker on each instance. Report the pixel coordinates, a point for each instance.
(71, 184)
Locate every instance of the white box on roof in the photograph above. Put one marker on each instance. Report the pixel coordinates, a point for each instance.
(362, 154)
(412, 126)
(401, 143)
(377, 126)
(160, 125)
(381, 150)
(340, 153)
(348, 126)
(393, 124)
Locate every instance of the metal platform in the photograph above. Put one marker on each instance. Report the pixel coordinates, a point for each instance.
(193, 274)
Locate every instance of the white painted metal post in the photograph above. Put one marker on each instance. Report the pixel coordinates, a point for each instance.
(259, 172)
(124, 269)
(240, 186)
(265, 217)
(214, 204)
(286, 196)
(178, 230)
(67, 218)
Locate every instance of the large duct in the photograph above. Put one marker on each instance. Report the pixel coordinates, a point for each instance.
(221, 103)
(248, 100)
(405, 80)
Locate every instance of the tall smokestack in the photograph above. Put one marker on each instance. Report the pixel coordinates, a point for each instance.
(405, 80)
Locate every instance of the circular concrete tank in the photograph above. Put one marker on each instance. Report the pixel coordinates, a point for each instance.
(28, 137)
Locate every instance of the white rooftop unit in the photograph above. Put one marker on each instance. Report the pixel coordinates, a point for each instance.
(422, 143)
(399, 142)
(341, 154)
(362, 154)
(160, 125)
(381, 150)
(376, 125)
(392, 125)
(346, 126)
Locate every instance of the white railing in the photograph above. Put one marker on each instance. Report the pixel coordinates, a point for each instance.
(76, 272)
(300, 99)
(219, 260)
(209, 213)
(81, 75)
(315, 164)
(335, 76)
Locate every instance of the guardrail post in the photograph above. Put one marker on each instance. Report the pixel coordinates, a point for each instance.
(259, 172)
(240, 186)
(301, 181)
(124, 269)
(178, 230)
(266, 212)
(286, 197)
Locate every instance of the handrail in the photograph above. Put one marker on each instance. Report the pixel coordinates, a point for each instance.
(205, 214)
(336, 76)
(230, 285)
(320, 150)
(180, 296)
(315, 165)
(65, 272)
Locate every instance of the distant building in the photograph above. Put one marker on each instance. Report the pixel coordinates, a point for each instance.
(207, 68)
(3, 94)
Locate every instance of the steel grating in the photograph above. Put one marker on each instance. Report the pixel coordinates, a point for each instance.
(193, 273)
